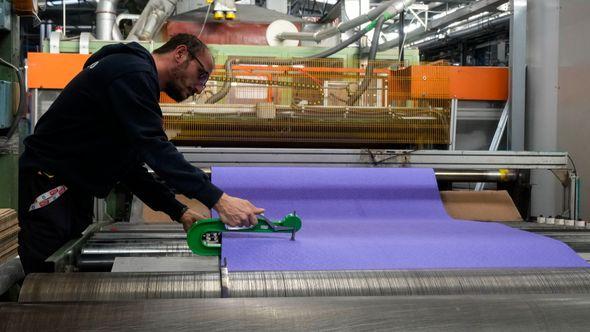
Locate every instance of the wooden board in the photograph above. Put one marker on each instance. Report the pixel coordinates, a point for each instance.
(8, 252)
(9, 232)
(7, 214)
(8, 224)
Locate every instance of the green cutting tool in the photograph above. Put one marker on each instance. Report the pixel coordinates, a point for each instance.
(200, 234)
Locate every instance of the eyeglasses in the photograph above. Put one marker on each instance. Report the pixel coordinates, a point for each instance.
(203, 74)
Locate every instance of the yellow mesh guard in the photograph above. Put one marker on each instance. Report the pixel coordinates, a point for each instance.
(315, 103)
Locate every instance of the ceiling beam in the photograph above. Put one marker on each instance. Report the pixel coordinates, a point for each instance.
(466, 12)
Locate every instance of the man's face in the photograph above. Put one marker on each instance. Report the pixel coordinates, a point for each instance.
(190, 74)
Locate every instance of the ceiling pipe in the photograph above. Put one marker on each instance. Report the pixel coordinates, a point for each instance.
(398, 5)
(463, 33)
(151, 20)
(116, 31)
(106, 13)
(440, 23)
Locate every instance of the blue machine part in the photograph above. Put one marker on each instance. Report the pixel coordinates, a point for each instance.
(5, 104)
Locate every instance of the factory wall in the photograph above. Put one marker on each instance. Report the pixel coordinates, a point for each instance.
(541, 99)
(573, 103)
(558, 44)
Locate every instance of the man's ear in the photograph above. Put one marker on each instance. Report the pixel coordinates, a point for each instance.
(180, 54)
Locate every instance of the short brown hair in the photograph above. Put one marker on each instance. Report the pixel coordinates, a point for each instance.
(194, 44)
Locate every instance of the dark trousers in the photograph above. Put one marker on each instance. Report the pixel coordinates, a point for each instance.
(44, 230)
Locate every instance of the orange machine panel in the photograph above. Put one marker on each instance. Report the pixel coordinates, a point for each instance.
(53, 71)
(478, 83)
(429, 82)
(463, 83)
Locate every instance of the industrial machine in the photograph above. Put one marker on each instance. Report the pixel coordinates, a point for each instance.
(154, 262)
(296, 107)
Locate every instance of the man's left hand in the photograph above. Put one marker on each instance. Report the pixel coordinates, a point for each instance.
(189, 218)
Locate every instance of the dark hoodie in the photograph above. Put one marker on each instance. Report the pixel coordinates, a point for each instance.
(105, 125)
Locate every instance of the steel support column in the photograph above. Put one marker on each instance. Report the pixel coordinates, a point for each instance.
(518, 44)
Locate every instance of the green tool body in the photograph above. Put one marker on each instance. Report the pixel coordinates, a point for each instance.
(197, 234)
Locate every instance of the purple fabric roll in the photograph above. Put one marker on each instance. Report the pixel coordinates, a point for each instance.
(371, 219)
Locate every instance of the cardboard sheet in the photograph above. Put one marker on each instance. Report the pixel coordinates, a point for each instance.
(488, 205)
(370, 219)
(150, 216)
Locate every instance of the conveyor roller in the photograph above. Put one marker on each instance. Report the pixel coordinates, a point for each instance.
(113, 286)
(125, 286)
(408, 282)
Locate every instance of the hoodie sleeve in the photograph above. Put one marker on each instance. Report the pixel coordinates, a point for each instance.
(134, 100)
(153, 193)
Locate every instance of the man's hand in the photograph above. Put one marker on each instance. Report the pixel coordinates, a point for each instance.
(235, 211)
(190, 217)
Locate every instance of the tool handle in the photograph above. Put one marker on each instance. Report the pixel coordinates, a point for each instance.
(195, 236)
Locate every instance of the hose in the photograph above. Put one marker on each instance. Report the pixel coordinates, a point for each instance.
(10, 273)
(250, 61)
(358, 35)
(376, 24)
(226, 85)
(369, 70)
(345, 26)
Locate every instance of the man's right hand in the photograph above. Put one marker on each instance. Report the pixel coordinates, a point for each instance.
(235, 211)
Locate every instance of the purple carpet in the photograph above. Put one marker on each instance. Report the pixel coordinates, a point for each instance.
(371, 219)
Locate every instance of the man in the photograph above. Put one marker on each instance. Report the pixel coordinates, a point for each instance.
(101, 130)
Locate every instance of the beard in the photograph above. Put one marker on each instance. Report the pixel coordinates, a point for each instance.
(174, 90)
(173, 87)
